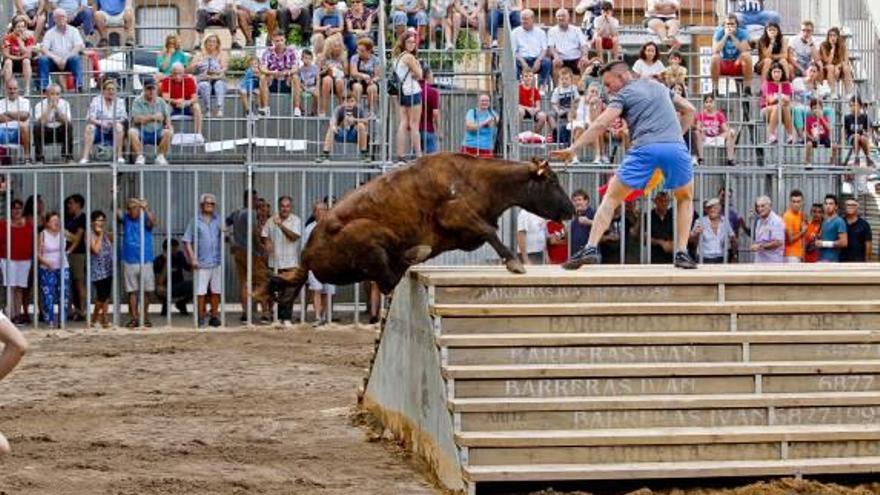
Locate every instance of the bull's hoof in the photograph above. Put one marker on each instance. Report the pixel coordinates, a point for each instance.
(417, 254)
(515, 266)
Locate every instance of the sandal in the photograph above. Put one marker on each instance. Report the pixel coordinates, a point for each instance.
(148, 323)
(132, 323)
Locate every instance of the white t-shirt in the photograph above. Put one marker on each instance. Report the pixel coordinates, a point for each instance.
(63, 108)
(606, 27)
(18, 105)
(285, 251)
(62, 44)
(528, 44)
(535, 228)
(645, 71)
(568, 42)
(214, 6)
(712, 244)
(101, 111)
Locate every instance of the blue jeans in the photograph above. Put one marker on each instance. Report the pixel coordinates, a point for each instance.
(495, 20)
(45, 65)
(543, 75)
(761, 18)
(429, 142)
(85, 19)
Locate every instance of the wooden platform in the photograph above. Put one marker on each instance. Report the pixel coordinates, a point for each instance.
(633, 372)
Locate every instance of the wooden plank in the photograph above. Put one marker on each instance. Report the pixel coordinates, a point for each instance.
(622, 454)
(658, 338)
(814, 352)
(612, 354)
(573, 294)
(767, 292)
(848, 448)
(830, 382)
(589, 324)
(603, 387)
(807, 321)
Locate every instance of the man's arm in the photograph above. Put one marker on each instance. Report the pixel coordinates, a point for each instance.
(842, 241)
(596, 129)
(289, 234)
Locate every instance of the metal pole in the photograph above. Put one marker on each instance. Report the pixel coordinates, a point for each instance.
(167, 267)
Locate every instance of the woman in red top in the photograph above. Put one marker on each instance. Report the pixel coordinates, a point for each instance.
(557, 243)
(18, 265)
(776, 104)
(18, 45)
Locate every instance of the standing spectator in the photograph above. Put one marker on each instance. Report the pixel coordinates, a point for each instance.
(429, 122)
(752, 13)
(662, 19)
(253, 12)
(78, 12)
(348, 125)
(106, 122)
(795, 227)
(308, 78)
(442, 16)
(712, 130)
(564, 101)
(209, 67)
(52, 124)
(101, 269)
(662, 230)
(835, 59)
(857, 130)
(181, 92)
(731, 54)
(137, 257)
(567, 45)
(245, 225)
(557, 243)
(321, 292)
(18, 50)
(583, 220)
(298, 11)
(649, 64)
(481, 125)
(216, 13)
(530, 103)
(151, 124)
(114, 13)
(530, 48)
(326, 22)
(411, 14)
(606, 29)
(202, 245)
(470, 14)
(803, 50)
(15, 115)
(769, 234)
(60, 51)
(814, 233)
(75, 233)
(858, 233)
(181, 287)
(818, 133)
(776, 104)
(833, 235)
(278, 73)
(675, 73)
(358, 25)
(334, 66)
(281, 236)
(20, 246)
(364, 72)
(495, 16)
(772, 50)
(408, 70)
(34, 14)
(531, 238)
(53, 271)
(171, 54)
(713, 234)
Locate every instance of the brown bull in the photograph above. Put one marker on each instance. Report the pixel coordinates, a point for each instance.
(439, 203)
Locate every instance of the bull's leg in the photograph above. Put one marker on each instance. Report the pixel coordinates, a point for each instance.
(457, 215)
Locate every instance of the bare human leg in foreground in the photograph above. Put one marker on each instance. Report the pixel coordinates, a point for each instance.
(14, 347)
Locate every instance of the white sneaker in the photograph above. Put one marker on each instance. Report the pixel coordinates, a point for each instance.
(264, 111)
(574, 160)
(120, 160)
(287, 324)
(160, 160)
(297, 112)
(494, 43)
(597, 160)
(84, 161)
(140, 160)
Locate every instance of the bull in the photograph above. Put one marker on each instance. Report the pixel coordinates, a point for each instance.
(438, 203)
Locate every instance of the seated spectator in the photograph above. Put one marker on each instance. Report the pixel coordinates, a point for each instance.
(773, 49)
(564, 103)
(181, 286)
(835, 59)
(326, 22)
(216, 13)
(15, 116)
(308, 78)
(170, 55)
(209, 68)
(470, 14)
(713, 234)
(606, 32)
(408, 70)
(53, 271)
(818, 132)
(251, 13)
(675, 73)
(358, 25)
(18, 50)
(649, 65)
(590, 106)
(662, 19)
(137, 258)
(429, 122)
(278, 74)
(531, 238)
(530, 48)
(769, 234)
(481, 125)
(60, 49)
(567, 45)
(114, 13)
(442, 16)
(712, 130)
(530, 104)
(858, 233)
(333, 65)
(181, 92)
(52, 124)
(249, 84)
(105, 123)
(295, 11)
(804, 90)
(16, 269)
(776, 104)
(34, 13)
(495, 16)
(803, 49)
(618, 135)
(731, 54)
(364, 72)
(151, 124)
(857, 130)
(411, 13)
(752, 13)
(79, 15)
(101, 269)
(812, 236)
(348, 125)
(203, 247)
(833, 237)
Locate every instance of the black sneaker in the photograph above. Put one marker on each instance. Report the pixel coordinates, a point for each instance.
(214, 321)
(587, 256)
(684, 260)
(747, 91)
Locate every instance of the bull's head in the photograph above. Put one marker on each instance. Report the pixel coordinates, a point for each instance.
(544, 195)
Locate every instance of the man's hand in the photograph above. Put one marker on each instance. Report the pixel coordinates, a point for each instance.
(565, 154)
(755, 247)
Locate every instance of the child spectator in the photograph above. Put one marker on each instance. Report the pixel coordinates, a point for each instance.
(308, 77)
(348, 125)
(662, 19)
(334, 66)
(619, 136)
(101, 247)
(589, 108)
(606, 32)
(557, 243)
(772, 49)
(804, 90)
(675, 73)
(712, 130)
(564, 101)
(649, 64)
(776, 104)
(250, 85)
(835, 58)
(818, 132)
(530, 104)
(582, 221)
(857, 130)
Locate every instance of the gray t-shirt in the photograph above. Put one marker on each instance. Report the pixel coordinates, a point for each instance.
(647, 107)
(802, 51)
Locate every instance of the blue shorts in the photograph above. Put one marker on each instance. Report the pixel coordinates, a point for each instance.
(182, 111)
(9, 135)
(349, 135)
(410, 100)
(415, 19)
(103, 137)
(151, 137)
(672, 159)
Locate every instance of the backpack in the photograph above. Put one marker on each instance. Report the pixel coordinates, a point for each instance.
(395, 84)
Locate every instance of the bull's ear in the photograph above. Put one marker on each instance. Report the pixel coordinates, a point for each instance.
(543, 167)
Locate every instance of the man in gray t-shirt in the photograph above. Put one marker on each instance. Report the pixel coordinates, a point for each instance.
(657, 119)
(804, 47)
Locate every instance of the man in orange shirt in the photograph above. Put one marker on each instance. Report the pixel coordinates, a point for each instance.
(814, 230)
(795, 228)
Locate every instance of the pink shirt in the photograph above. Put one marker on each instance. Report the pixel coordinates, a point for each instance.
(712, 123)
(770, 87)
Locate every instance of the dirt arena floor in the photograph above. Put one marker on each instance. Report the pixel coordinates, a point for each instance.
(180, 412)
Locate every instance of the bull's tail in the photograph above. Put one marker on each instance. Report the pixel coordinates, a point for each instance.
(284, 287)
